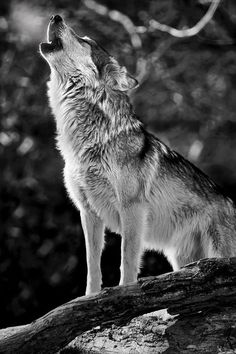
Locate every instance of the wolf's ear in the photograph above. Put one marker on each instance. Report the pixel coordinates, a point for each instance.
(118, 78)
(126, 82)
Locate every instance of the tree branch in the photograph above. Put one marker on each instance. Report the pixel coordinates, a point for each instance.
(188, 32)
(153, 24)
(200, 285)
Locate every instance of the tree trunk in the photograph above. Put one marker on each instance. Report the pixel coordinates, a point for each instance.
(207, 285)
(211, 332)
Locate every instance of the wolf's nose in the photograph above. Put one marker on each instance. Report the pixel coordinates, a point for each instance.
(56, 19)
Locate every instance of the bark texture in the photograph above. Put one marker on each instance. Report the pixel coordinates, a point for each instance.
(202, 286)
(212, 331)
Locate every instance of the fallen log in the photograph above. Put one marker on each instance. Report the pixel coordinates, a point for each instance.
(208, 283)
(205, 332)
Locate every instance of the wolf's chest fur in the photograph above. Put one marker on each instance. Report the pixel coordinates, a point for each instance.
(91, 187)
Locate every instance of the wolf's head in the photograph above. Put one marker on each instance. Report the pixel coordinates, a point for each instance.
(71, 56)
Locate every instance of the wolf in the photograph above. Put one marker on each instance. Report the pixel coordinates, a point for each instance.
(119, 175)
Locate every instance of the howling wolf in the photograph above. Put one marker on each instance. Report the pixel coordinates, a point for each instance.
(119, 175)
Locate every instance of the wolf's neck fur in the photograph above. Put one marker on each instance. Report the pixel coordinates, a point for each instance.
(88, 118)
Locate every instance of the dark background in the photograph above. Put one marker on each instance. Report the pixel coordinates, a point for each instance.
(187, 97)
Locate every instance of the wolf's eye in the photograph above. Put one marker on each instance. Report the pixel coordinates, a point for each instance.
(83, 42)
(86, 45)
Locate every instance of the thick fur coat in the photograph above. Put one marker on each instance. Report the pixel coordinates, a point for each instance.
(122, 177)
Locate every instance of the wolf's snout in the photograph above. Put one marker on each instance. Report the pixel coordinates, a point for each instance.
(54, 28)
(54, 33)
(56, 19)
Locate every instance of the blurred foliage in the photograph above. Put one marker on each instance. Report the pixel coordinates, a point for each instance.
(186, 96)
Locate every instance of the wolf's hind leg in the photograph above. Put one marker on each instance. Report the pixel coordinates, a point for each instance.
(93, 228)
(172, 259)
(191, 247)
(133, 227)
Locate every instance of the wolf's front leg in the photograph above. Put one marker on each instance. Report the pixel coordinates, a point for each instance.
(93, 228)
(133, 227)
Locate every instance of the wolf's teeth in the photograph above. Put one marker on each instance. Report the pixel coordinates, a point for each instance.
(48, 34)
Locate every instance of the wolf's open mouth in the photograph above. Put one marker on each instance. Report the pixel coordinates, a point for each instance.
(54, 45)
(54, 42)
